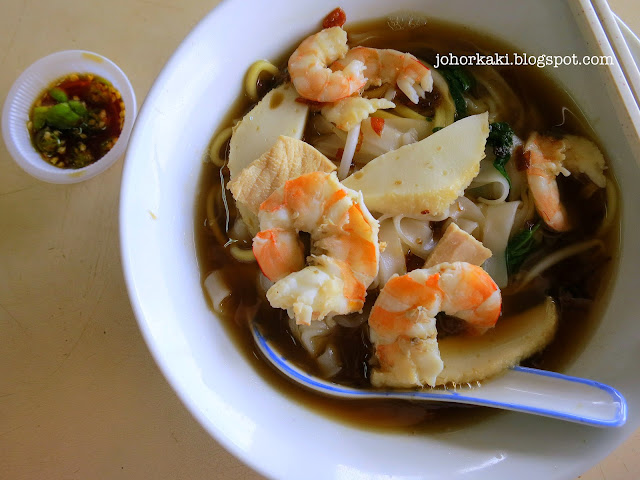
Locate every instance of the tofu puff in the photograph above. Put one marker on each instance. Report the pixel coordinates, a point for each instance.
(405, 218)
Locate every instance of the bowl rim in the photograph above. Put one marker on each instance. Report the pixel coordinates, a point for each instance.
(144, 326)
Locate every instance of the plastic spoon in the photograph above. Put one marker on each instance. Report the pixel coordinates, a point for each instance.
(519, 389)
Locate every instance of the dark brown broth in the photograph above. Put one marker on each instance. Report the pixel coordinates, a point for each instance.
(548, 109)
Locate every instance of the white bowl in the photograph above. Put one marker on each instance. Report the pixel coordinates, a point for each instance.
(30, 85)
(273, 434)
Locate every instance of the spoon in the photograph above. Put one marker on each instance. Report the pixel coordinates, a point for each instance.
(520, 389)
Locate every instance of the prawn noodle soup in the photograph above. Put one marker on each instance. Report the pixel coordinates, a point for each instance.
(549, 255)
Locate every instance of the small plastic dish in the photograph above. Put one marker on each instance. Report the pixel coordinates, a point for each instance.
(31, 83)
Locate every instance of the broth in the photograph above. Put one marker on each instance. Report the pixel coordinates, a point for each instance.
(579, 284)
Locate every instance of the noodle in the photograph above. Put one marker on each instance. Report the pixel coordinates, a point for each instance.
(216, 145)
(501, 101)
(242, 254)
(312, 336)
(468, 226)
(348, 152)
(392, 257)
(446, 111)
(467, 215)
(405, 112)
(217, 289)
(495, 236)
(253, 74)
(212, 220)
(490, 178)
(556, 257)
(420, 239)
(525, 213)
(477, 106)
(329, 361)
(386, 115)
(612, 209)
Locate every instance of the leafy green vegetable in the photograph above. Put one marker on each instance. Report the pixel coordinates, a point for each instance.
(520, 247)
(58, 95)
(435, 129)
(61, 116)
(459, 81)
(501, 139)
(499, 164)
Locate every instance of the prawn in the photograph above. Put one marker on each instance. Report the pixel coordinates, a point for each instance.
(310, 72)
(547, 157)
(344, 247)
(391, 66)
(403, 319)
(349, 112)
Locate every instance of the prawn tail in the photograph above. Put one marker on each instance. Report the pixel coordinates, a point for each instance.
(278, 252)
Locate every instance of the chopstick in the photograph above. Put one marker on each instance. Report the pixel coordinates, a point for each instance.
(620, 48)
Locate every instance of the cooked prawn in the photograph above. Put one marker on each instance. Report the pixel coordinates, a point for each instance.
(344, 247)
(310, 72)
(403, 319)
(544, 162)
(349, 112)
(547, 157)
(391, 66)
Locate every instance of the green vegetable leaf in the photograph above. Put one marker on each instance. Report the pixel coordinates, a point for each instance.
(436, 129)
(61, 116)
(499, 164)
(521, 245)
(465, 79)
(501, 139)
(39, 117)
(58, 95)
(459, 81)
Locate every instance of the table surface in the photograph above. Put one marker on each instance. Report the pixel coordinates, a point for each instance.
(80, 396)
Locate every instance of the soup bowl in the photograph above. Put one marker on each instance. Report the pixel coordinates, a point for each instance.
(269, 430)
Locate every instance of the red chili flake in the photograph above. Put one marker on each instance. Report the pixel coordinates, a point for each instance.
(523, 160)
(377, 124)
(339, 154)
(425, 212)
(336, 18)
